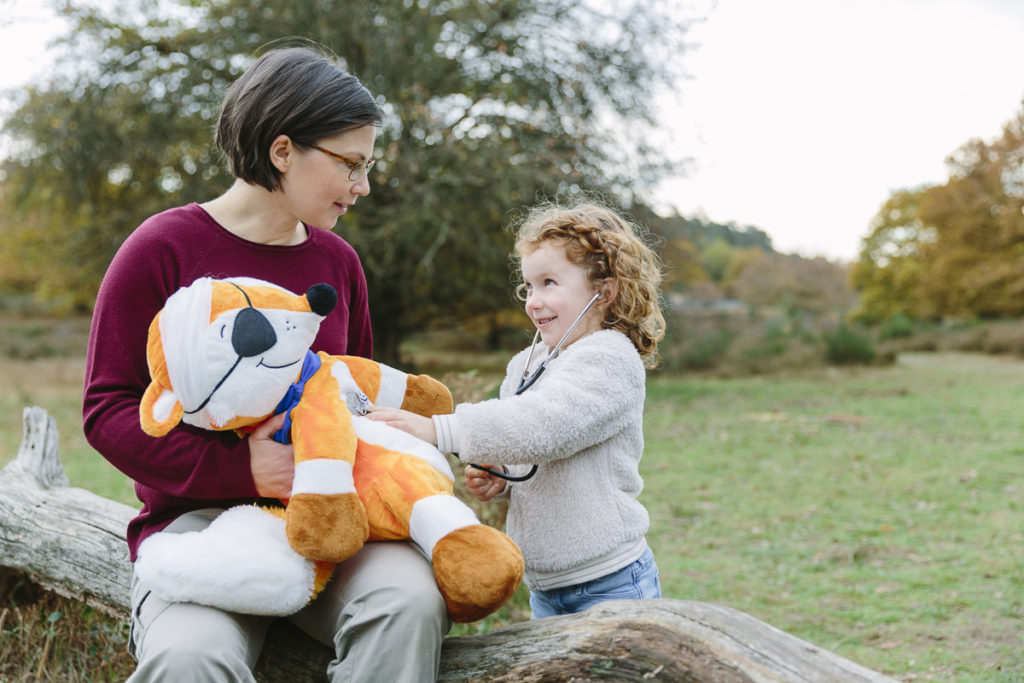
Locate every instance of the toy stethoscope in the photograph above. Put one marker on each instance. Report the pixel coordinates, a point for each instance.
(528, 380)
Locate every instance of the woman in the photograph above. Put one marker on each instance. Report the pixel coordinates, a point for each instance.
(299, 134)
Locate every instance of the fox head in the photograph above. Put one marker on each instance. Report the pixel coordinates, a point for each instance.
(222, 353)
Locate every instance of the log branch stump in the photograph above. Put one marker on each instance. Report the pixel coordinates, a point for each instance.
(71, 541)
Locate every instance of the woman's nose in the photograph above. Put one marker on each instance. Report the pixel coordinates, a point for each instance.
(361, 188)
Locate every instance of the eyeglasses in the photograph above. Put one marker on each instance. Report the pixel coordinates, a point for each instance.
(356, 168)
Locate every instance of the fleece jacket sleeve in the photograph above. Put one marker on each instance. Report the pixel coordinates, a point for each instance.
(583, 398)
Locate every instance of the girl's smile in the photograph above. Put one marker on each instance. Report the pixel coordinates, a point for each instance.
(557, 290)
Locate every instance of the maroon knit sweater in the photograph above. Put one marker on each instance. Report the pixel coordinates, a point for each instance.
(190, 468)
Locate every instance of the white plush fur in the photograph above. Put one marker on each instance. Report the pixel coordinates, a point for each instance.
(245, 547)
(324, 477)
(434, 517)
(395, 439)
(200, 356)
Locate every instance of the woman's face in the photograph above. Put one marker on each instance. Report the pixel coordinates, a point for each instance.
(316, 186)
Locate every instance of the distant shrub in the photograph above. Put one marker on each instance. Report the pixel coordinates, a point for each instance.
(846, 346)
(1005, 337)
(898, 326)
(701, 349)
(705, 351)
(772, 343)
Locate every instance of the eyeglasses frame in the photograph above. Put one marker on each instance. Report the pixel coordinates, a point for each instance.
(357, 167)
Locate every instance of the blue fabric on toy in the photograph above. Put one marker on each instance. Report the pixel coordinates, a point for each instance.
(310, 364)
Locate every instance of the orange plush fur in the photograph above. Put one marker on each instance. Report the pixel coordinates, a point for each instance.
(356, 480)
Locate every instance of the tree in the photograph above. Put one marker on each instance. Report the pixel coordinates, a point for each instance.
(702, 231)
(814, 285)
(682, 264)
(888, 273)
(489, 106)
(716, 257)
(976, 264)
(955, 249)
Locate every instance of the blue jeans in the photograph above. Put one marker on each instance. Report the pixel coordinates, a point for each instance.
(636, 581)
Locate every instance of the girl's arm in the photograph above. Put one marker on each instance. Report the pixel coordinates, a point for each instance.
(586, 395)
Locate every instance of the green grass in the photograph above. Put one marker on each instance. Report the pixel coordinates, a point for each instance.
(876, 512)
(56, 385)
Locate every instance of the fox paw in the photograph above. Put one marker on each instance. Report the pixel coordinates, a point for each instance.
(477, 569)
(327, 527)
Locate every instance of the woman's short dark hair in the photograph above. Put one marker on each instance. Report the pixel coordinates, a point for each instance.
(289, 91)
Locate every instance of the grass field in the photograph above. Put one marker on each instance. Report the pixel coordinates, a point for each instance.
(877, 512)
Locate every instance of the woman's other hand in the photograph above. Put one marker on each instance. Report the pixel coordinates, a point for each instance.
(272, 463)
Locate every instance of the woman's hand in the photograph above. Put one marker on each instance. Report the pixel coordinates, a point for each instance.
(484, 485)
(272, 463)
(417, 425)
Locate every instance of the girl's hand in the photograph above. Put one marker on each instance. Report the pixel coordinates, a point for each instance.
(417, 425)
(272, 463)
(484, 485)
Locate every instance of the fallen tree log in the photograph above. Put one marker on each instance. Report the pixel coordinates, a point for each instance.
(71, 541)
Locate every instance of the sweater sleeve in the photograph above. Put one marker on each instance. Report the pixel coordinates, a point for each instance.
(188, 462)
(584, 397)
(447, 426)
(360, 334)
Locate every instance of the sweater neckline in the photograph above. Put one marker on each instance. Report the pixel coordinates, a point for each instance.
(211, 221)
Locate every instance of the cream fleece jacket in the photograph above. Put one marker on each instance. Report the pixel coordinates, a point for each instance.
(579, 518)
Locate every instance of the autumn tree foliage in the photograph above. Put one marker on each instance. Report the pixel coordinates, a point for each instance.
(489, 107)
(888, 274)
(813, 285)
(955, 249)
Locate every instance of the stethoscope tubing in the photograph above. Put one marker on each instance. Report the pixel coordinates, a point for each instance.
(528, 380)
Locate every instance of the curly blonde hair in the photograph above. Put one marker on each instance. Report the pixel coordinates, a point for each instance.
(606, 245)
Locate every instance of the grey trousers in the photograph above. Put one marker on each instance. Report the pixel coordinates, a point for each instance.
(381, 613)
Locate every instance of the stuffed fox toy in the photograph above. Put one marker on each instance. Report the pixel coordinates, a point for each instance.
(227, 355)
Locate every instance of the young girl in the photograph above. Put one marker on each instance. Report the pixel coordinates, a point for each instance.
(591, 289)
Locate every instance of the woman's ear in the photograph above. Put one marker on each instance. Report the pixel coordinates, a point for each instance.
(281, 152)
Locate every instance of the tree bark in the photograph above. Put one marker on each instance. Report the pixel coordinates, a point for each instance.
(72, 542)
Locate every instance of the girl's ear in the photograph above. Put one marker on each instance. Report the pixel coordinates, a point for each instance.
(609, 290)
(281, 152)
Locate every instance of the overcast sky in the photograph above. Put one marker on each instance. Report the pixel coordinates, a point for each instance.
(801, 116)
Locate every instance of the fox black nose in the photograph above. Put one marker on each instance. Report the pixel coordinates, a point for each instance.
(322, 298)
(253, 334)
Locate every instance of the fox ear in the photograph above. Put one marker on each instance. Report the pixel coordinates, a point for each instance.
(160, 410)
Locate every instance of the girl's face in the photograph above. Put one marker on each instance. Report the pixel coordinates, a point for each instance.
(316, 186)
(557, 290)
